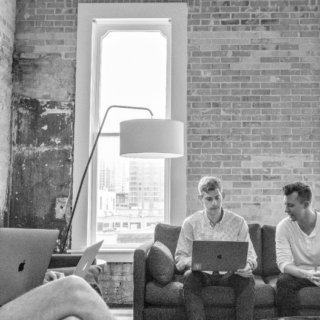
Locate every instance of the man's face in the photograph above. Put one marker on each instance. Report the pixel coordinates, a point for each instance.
(293, 207)
(212, 201)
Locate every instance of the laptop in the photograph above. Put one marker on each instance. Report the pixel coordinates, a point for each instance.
(24, 258)
(86, 260)
(219, 255)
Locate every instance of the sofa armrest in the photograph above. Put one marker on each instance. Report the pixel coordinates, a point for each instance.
(65, 260)
(140, 278)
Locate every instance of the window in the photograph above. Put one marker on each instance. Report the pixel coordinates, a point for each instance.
(132, 63)
(86, 222)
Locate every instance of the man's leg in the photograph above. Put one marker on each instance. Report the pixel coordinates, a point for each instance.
(70, 296)
(287, 293)
(244, 289)
(193, 284)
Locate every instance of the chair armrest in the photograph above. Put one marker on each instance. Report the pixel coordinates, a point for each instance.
(140, 278)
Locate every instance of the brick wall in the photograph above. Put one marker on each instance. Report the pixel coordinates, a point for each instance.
(253, 104)
(253, 101)
(7, 25)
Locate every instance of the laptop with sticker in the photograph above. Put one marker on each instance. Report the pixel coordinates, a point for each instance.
(219, 255)
(86, 260)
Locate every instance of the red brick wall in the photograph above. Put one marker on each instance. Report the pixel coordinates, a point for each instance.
(7, 25)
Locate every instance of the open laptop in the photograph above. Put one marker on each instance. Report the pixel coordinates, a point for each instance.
(219, 255)
(86, 260)
(25, 256)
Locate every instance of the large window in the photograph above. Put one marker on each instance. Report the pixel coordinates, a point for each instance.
(132, 67)
(132, 55)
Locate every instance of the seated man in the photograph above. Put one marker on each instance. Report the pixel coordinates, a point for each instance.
(215, 223)
(67, 298)
(297, 247)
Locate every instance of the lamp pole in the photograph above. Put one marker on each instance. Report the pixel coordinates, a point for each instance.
(88, 163)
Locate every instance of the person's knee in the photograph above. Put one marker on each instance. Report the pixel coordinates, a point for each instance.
(78, 286)
(284, 282)
(80, 293)
(192, 280)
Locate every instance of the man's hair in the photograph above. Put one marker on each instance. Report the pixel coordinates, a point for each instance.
(207, 184)
(303, 190)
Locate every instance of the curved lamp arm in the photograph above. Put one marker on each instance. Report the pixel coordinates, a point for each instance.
(88, 163)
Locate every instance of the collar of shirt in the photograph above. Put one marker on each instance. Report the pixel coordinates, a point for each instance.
(210, 222)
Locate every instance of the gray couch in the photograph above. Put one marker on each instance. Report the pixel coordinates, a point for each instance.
(158, 287)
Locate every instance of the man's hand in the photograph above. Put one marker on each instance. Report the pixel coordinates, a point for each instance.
(314, 276)
(52, 275)
(246, 272)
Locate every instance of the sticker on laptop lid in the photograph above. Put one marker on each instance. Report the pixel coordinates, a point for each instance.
(197, 266)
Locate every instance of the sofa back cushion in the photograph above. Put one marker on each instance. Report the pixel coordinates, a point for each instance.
(160, 263)
(168, 235)
(255, 235)
(269, 261)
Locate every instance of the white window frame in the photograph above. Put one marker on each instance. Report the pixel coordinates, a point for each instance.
(101, 27)
(84, 134)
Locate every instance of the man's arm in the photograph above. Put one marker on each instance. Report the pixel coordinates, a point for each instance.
(184, 247)
(252, 264)
(285, 257)
(245, 236)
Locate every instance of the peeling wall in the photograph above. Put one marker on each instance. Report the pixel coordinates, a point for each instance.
(43, 114)
(42, 163)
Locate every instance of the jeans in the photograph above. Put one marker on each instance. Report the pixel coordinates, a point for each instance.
(195, 281)
(287, 293)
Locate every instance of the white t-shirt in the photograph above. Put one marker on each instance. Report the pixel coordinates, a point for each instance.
(293, 246)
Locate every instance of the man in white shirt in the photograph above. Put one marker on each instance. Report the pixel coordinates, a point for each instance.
(297, 247)
(215, 223)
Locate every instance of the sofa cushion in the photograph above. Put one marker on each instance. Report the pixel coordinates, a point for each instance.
(168, 295)
(255, 235)
(264, 295)
(168, 235)
(171, 295)
(310, 297)
(269, 261)
(160, 263)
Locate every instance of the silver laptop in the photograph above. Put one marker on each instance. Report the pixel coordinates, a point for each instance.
(219, 255)
(86, 260)
(24, 258)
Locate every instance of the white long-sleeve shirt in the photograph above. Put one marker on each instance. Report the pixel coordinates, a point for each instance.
(231, 227)
(293, 246)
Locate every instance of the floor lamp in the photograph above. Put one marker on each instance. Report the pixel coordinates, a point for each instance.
(140, 138)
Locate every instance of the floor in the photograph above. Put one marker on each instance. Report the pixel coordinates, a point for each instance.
(122, 314)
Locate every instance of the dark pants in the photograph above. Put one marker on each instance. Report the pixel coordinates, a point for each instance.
(287, 293)
(195, 281)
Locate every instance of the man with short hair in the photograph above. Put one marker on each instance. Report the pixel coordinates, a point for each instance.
(60, 298)
(216, 224)
(297, 247)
